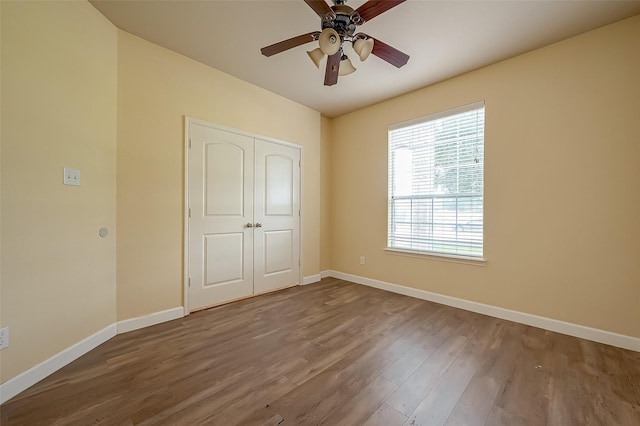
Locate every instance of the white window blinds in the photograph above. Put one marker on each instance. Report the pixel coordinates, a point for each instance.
(436, 183)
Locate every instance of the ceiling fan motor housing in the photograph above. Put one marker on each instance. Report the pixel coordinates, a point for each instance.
(339, 24)
(341, 20)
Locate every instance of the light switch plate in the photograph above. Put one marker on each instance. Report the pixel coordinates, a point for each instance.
(71, 177)
(4, 337)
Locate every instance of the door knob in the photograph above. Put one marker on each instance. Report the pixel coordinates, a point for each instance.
(258, 225)
(249, 225)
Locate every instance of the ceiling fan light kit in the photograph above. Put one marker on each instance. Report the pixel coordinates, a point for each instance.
(338, 24)
(329, 41)
(316, 56)
(363, 47)
(346, 67)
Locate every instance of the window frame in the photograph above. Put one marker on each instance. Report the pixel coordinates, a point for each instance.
(431, 254)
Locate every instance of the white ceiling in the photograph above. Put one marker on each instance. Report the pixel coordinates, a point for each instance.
(443, 38)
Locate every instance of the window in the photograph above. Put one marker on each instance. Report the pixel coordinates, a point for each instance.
(436, 183)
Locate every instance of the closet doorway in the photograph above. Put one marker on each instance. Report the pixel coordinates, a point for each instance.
(243, 215)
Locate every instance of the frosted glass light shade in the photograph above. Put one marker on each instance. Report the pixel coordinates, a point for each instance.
(329, 41)
(346, 67)
(316, 56)
(363, 47)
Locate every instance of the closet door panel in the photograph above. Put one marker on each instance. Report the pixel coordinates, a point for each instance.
(277, 212)
(221, 167)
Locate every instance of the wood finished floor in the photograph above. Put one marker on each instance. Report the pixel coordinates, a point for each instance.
(337, 353)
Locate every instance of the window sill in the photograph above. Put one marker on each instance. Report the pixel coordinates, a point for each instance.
(475, 261)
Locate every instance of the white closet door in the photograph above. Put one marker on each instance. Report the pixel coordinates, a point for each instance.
(221, 174)
(277, 216)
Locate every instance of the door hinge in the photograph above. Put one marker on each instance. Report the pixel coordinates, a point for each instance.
(300, 163)
(189, 213)
(189, 142)
(299, 214)
(299, 262)
(189, 281)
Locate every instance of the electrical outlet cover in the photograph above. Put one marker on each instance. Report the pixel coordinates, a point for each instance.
(71, 177)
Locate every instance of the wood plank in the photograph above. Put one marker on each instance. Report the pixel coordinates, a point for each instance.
(476, 402)
(443, 397)
(527, 392)
(415, 389)
(501, 417)
(358, 409)
(386, 416)
(338, 353)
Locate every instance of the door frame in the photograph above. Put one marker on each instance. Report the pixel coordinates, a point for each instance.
(185, 243)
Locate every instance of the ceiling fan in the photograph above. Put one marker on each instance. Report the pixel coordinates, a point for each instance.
(339, 24)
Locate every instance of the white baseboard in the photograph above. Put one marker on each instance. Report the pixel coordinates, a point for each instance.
(23, 381)
(149, 320)
(311, 279)
(593, 334)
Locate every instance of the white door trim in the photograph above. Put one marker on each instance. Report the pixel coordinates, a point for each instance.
(185, 247)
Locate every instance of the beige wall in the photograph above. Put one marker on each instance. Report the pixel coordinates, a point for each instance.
(562, 199)
(156, 89)
(67, 76)
(58, 110)
(1, 322)
(325, 194)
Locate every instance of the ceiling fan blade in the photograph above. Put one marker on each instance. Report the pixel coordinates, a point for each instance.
(333, 66)
(389, 53)
(319, 6)
(288, 44)
(373, 8)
